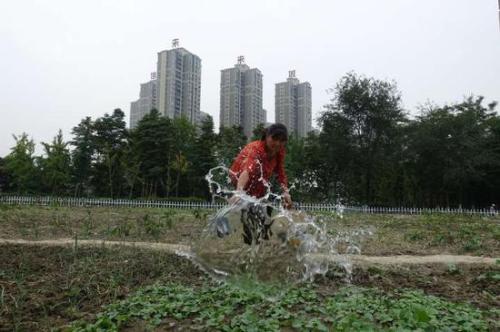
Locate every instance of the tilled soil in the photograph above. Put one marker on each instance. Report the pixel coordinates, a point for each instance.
(389, 234)
(154, 225)
(50, 283)
(45, 286)
(476, 284)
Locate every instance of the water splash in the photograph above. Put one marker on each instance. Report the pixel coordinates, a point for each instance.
(285, 244)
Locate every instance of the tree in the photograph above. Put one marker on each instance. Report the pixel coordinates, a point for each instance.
(454, 155)
(204, 149)
(313, 183)
(4, 182)
(20, 166)
(130, 165)
(184, 135)
(82, 156)
(55, 167)
(180, 165)
(370, 111)
(492, 167)
(258, 131)
(152, 148)
(334, 158)
(294, 161)
(110, 142)
(230, 141)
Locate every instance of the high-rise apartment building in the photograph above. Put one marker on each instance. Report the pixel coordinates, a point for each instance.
(241, 97)
(293, 105)
(179, 83)
(146, 102)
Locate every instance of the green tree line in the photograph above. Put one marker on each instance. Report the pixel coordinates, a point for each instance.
(368, 150)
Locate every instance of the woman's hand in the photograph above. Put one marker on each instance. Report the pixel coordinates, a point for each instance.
(236, 198)
(287, 200)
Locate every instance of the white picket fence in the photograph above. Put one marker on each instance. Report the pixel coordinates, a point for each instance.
(327, 207)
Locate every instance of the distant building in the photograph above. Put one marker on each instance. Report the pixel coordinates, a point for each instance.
(241, 97)
(179, 83)
(293, 105)
(146, 102)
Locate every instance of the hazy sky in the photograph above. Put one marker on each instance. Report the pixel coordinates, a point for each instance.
(64, 60)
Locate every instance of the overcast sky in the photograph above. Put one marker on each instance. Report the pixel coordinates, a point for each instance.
(64, 60)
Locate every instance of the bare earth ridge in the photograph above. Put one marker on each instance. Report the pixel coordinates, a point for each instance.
(356, 259)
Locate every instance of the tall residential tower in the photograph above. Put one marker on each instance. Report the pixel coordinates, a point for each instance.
(179, 83)
(293, 105)
(241, 97)
(146, 102)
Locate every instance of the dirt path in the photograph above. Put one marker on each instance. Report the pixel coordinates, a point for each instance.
(356, 259)
(415, 260)
(67, 242)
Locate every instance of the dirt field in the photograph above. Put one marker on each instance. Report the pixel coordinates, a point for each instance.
(156, 225)
(44, 287)
(425, 234)
(392, 234)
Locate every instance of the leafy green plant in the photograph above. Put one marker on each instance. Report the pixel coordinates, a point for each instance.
(156, 226)
(88, 223)
(200, 214)
(490, 276)
(122, 229)
(472, 244)
(415, 236)
(443, 238)
(151, 227)
(236, 307)
(167, 219)
(453, 269)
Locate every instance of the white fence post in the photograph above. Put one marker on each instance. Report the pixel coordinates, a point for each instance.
(324, 207)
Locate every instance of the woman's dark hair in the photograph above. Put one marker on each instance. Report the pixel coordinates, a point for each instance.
(277, 131)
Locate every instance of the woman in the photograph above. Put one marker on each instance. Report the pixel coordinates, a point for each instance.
(258, 160)
(250, 173)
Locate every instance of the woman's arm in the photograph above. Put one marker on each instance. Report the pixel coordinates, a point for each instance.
(242, 180)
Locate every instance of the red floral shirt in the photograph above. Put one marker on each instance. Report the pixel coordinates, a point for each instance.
(254, 159)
